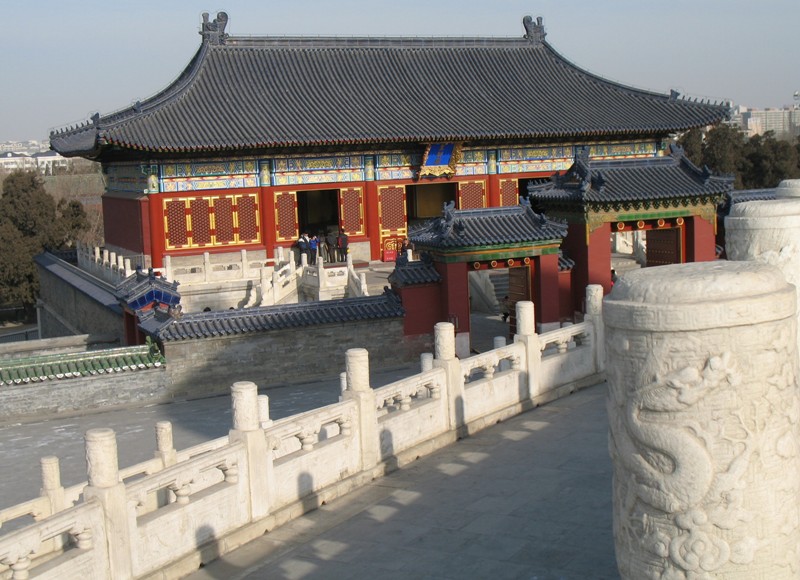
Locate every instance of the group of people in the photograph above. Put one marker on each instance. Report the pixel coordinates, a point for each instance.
(332, 247)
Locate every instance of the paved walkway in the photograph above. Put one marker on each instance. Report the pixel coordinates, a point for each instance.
(526, 498)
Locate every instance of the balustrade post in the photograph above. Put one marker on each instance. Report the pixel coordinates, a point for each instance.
(445, 358)
(105, 258)
(206, 266)
(168, 267)
(359, 390)
(594, 312)
(500, 342)
(263, 411)
(279, 255)
(703, 403)
(96, 254)
(259, 472)
(51, 483)
(127, 267)
(426, 361)
(531, 362)
(243, 274)
(342, 385)
(165, 450)
(106, 488)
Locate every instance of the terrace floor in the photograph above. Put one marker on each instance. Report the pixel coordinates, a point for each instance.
(527, 498)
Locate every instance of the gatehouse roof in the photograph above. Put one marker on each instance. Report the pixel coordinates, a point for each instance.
(485, 227)
(202, 325)
(257, 93)
(670, 177)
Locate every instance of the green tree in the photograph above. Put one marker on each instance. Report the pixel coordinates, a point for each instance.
(767, 161)
(692, 143)
(31, 222)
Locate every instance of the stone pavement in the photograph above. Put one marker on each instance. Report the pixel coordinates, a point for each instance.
(527, 498)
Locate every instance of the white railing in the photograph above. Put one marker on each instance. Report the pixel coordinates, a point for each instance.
(156, 515)
(108, 266)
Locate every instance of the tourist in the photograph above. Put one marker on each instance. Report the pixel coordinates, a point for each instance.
(341, 245)
(322, 247)
(506, 307)
(405, 246)
(331, 246)
(312, 250)
(303, 248)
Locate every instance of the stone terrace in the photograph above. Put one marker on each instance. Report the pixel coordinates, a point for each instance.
(527, 498)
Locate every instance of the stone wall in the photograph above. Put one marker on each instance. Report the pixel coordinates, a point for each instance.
(276, 358)
(201, 368)
(66, 310)
(83, 395)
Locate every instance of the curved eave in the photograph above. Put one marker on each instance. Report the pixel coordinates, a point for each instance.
(555, 135)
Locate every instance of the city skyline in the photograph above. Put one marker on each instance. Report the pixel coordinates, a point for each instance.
(104, 56)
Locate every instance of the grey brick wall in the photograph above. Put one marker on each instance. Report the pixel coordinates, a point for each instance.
(282, 357)
(76, 308)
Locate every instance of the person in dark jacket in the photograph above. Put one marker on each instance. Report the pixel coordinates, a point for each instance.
(341, 246)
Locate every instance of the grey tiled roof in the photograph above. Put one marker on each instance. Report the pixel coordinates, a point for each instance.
(73, 365)
(743, 195)
(565, 263)
(656, 178)
(143, 289)
(494, 226)
(92, 287)
(252, 320)
(414, 273)
(245, 93)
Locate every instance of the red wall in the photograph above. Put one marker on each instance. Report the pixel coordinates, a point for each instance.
(700, 240)
(126, 223)
(423, 308)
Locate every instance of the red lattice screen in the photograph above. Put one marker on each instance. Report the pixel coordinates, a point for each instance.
(248, 218)
(286, 216)
(176, 233)
(350, 204)
(509, 192)
(201, 222)
(223, 220)
(471, 194)
(393, 208)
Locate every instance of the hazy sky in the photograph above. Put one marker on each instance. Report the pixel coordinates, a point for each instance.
(62, 61)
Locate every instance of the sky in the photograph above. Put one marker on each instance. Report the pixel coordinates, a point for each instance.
(63, 61)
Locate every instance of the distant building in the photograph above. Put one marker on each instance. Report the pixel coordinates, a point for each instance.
(782, 122)
(50, 162)
(10, 161)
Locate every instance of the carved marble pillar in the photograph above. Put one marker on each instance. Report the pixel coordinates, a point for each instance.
(768, 232)
(703, 414)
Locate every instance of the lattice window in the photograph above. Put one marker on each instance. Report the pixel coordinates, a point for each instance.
(176, 231)
(286, 216)
(223, 220)
(201, 222)
(248, 218)
(509, 192)
(351, 210)
(471, 194)
(393, 208)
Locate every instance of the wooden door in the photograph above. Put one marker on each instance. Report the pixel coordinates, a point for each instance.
(519, 288)
(664, 247)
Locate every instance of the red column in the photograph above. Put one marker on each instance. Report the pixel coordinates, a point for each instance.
(155, 209)
(373, 222)
(592, 255)
(493, 191)
(267, 205)
(545, 288)
(455, 294)
(700, 240)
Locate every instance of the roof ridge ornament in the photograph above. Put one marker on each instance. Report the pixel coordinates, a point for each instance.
(534, 32)
(214, 32)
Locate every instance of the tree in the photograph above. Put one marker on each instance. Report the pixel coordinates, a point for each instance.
(767, 161)
(692, 143)
(31, 221)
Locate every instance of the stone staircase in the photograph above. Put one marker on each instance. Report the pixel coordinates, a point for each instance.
(499, 280)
